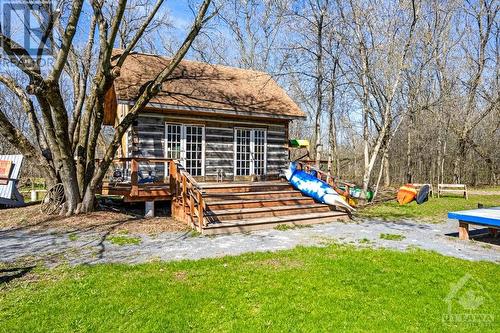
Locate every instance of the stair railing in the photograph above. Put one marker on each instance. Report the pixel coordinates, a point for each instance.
(327, 177)
(187, 197)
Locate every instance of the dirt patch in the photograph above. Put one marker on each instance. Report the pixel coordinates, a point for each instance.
(484, 192)
(180, 276)
(30, 219)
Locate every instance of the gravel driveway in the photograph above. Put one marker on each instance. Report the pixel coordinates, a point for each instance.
(95, 247)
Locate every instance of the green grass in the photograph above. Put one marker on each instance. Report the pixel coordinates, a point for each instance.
(434, 210)
(73, 237)
(394, 237)
(334, 288)
(124, 240)
(285, 227)
(194, 233)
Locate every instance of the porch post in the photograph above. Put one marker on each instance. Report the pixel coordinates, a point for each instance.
(463, 230)
(149, 209)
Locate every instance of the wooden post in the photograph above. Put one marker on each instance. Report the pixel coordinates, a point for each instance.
(184, 196)
(134, 178)
(200, 212)
(463, 230)
(465, 193)
(149, 209)
(172, 175)
(191, 207)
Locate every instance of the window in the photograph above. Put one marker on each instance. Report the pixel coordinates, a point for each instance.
(249, 152)
(186, 143)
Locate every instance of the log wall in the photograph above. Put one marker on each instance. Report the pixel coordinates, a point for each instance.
(146, 138)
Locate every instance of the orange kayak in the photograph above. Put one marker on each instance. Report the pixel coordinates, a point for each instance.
(406, 194)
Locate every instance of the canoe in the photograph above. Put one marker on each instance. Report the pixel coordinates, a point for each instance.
(423, 194)
(314, 187)
(406, 194)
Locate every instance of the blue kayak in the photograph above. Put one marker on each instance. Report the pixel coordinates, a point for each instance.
(315, 188)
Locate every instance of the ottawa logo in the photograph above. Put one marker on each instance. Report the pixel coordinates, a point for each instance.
(469, 303)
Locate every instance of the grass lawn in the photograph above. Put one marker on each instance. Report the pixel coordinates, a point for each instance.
(335, 288)
(434, 210)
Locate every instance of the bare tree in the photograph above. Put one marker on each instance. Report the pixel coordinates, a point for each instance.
(71, 132)
(479, 103)
(379, 83)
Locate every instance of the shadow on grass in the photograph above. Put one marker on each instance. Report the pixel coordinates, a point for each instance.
(9, 274)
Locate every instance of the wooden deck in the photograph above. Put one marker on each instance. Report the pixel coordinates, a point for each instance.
(226, 207)
(242, 207)
(142, 193)
(132, 190)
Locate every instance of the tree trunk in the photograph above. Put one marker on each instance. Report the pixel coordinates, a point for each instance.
(409, 176)
(317, 139)
(385, 160)
(459, 161)
(382, 166)
(333, 157)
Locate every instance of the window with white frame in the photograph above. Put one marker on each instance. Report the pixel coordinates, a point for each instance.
(249, 151)
(186, 143)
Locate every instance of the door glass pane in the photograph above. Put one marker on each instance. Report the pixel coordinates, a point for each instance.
(259, 152)
(250, 151)
(194, 150)
(243, 152)
(173, 141)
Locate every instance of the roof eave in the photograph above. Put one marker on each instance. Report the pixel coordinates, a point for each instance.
(163, 106)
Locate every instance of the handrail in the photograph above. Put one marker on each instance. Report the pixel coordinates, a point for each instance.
(187, 194)
(330, 179)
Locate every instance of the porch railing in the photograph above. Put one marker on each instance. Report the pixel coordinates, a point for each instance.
(331, 180)
(131, 171)
(187, 197)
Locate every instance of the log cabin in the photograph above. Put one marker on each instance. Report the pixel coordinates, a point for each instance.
(213, 134)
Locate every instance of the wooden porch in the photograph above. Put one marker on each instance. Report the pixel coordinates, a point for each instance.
(223, 207)
(131, 188)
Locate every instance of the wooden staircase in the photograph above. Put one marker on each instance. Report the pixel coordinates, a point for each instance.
(241, 207)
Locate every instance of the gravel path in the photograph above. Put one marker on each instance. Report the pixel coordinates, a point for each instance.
(91, 247)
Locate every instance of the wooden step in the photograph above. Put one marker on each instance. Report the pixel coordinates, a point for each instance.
(239, 184)
(255, 203)
(232, 226)
(250, 213)
(245, 187)
(251, 195)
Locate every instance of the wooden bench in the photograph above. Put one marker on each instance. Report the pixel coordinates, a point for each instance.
(453, 188)
(488, 217)
(417, 186)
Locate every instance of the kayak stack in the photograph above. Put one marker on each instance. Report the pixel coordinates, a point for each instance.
(406, 194)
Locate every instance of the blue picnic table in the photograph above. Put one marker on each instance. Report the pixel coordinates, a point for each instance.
(488, 217)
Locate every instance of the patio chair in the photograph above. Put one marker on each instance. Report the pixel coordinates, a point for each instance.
(10, 168)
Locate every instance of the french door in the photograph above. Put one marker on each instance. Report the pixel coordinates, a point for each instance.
(186, 143)
(249, 152)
